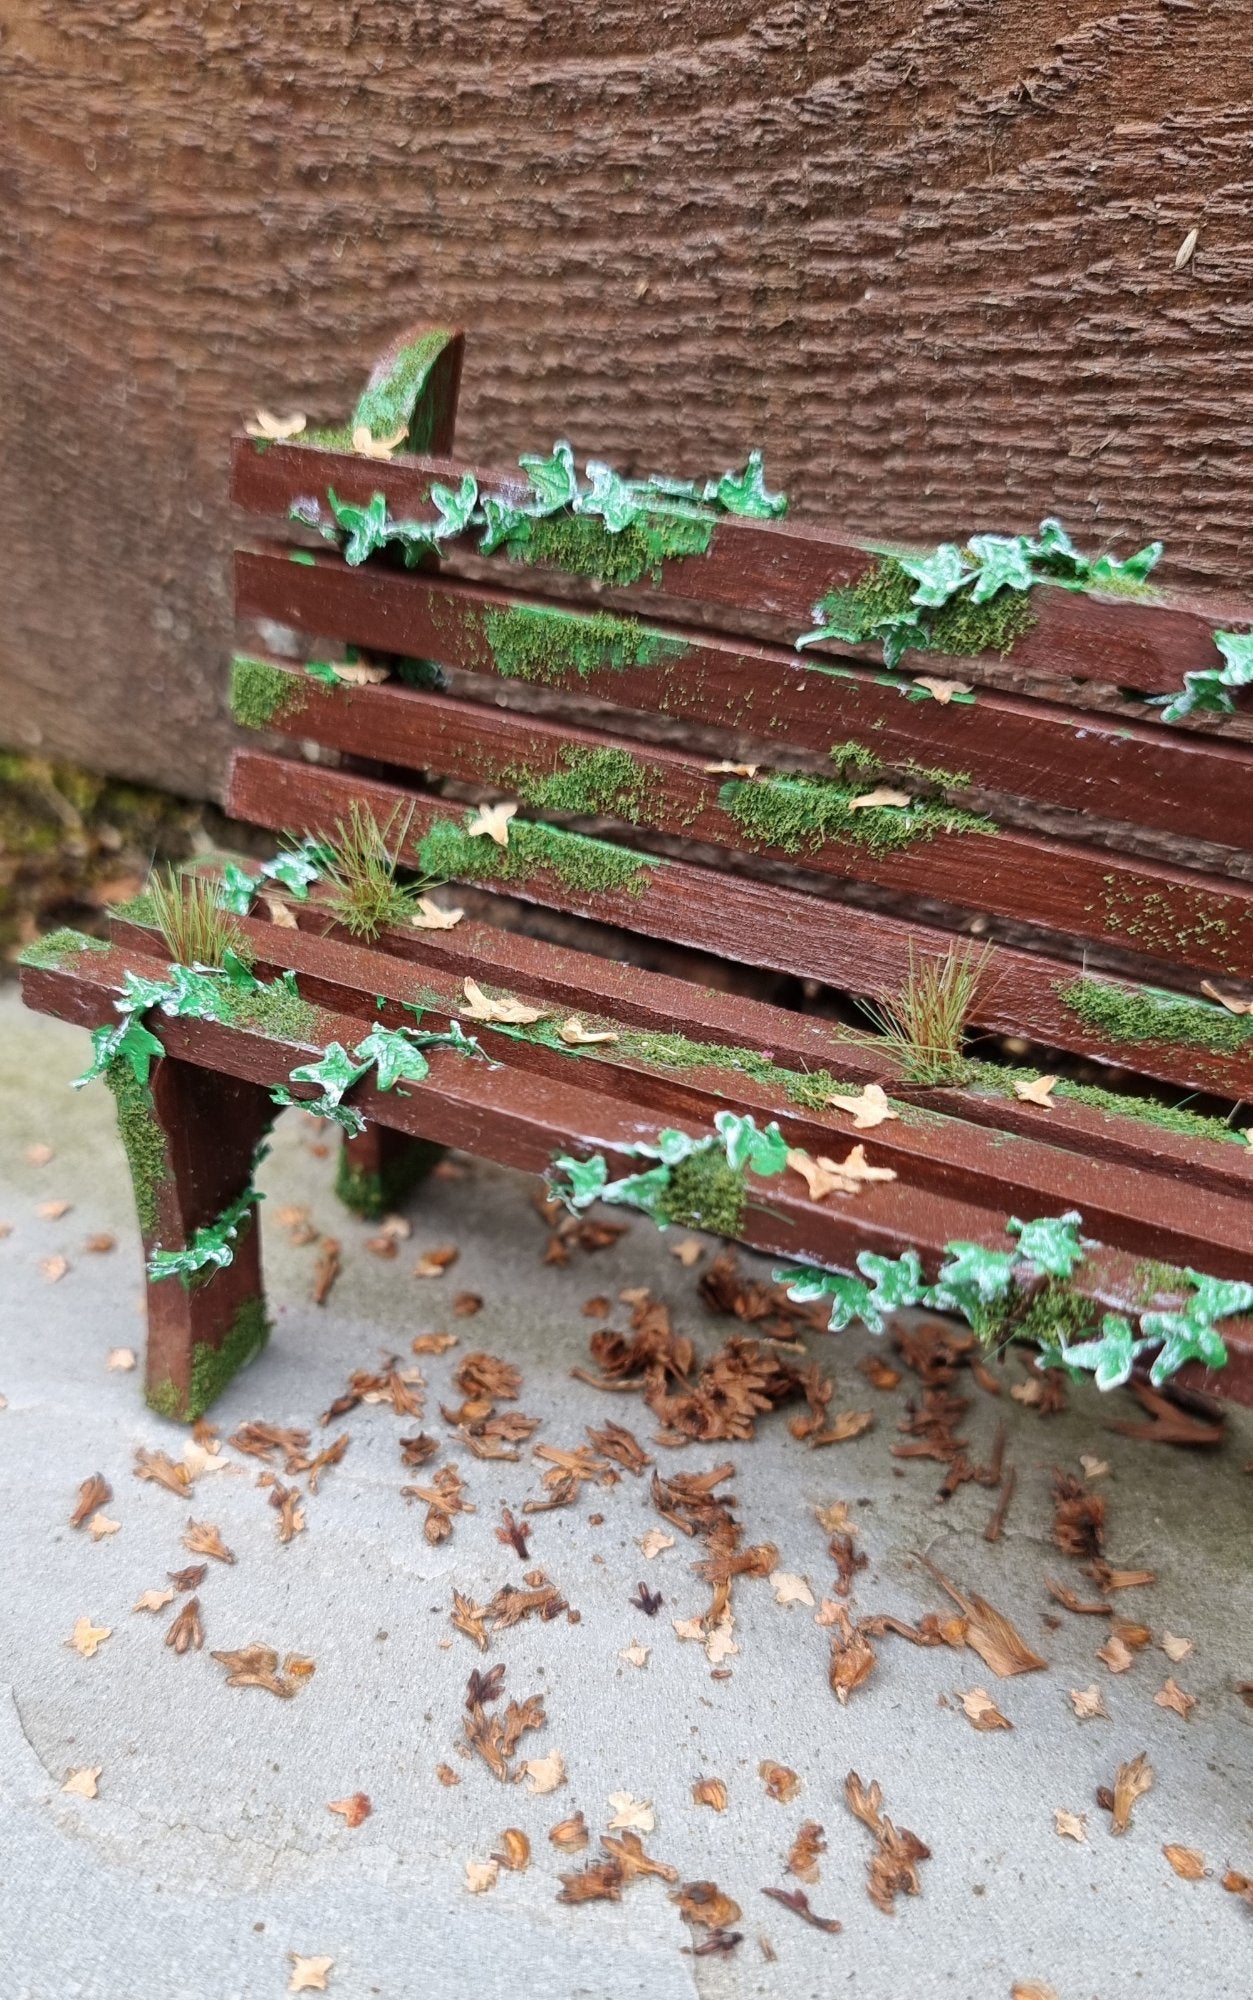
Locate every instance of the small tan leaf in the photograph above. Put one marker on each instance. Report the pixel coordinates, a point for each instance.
(1088, 1703)
(277, 429)
(1070, 1825)
(1116, 1655)
(943, 691)
(352, 1810)
(882, 795)
(203, 1539)
(87, 1638)
(1232, 1006)
(719, 1645)
(1038, 1091)
(279, 913)
(100, 1525)
(434, 1263)
(430, 917)
(571, 1833)
(514, 1012)
(517, 1850)
(492, 822)
(576, 1036)
(780, 1782)
(1187, 1862)
(981, 1710)
(82, 1784)
(1093, 1467)
(689, 1251)
(822, 1176)
(359, 673)
(545, 1774)
(730, 770)
(635, 1655)
(481, 1876)
(153, 1600)
(446, 1775)
(789, 1589)
(94, 1492)
(1174, 1648)
(710, 1792)
(52, 1211)
(1131, 1782)
(120, 1358)
(366, 445)
(1171, 1695)
(653, 1543)
(1032, 1989)
(308, 1974)
(1186, 250)
(636, 1814)
(53, 1268)
(39, 1154)
(869, 1109)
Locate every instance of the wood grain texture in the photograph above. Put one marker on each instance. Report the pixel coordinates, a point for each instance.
(923, 254)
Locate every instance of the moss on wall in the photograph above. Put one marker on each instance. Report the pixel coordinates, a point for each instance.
(400, 399)
(1143, 1015)
(807, 814)
(591, 782)
(581, 545)
(958, 627)
(538, 642)
(447, 853)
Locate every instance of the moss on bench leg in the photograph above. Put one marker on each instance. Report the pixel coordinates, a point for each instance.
(213, 1367)
(379, 1167)
(143, 1140)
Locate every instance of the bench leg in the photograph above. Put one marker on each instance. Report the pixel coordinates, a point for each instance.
(190, 1137)
(380, 1167)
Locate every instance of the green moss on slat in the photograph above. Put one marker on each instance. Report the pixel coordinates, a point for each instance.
(373, 1195)
(401, 398)
(855, 762)
(59, 949)
(142, 1140)
(1144, 1015)
(213, 1367)
(261, 693)
(705, 1193)
(1056, 1314)
(538, 642)
(806, 814)
(591, 782)
(581, 545)
(958, 627)
(447, 853)
(274, 1008)
(140, 909)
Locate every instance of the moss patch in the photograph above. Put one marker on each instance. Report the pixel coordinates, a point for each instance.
(447, 853)
(581, 545)
(400, 399)
(143, 1140)
(807, 814)
(1050, 1315)
(140, 909)
(373, 1195)
(276, 1009)
(958, 627)
(1145, 1015)
(590, 782)
(213, 1367)
(261, 693)
(856, 762)
(537, 642)
(58, 949)
(705, 1193)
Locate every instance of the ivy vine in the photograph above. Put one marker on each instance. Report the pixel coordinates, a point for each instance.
(579, 1183)
(1208, 689)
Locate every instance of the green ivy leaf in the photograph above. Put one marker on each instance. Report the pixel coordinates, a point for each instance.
(335, 1071)
(939, 575)
(1004, 564)
(1051, 1243)
(584, 1180)
(1184, 1336)
(455, 509)
(765, 1152)
(554, 482)
(211, 1245)
(898, 1281)
(610, 497)
(1218, 1298)
(501, 521)
(1106, 569)
(1109, 1358)
(642, 1191)
(396, 1056)
(236, 889)
(298, 867)
(744, 493)
(971, 1277)
(851, 1298)
(365, 527)
(129, 1040)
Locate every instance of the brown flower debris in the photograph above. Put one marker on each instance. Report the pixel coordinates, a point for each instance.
(1108, 1579)
(291, 1518)
(257, 1666)
(646, 1600)
(444, 1497)
(1078, 1518)
(94, 1492)
(981, 1711)
(1131, 1782)
(1187, 1862)
(853, 1658)
(1172, 1696)
(705, 1905)
(1169, 1424)
(485, 1375)
(495, 1738)
(570, 1834)
(893, 1868)
(615, 1442)
(710, 1792)
(203, 1539)
(1073, 1602)
(326, 1269)
(402, 1388)
(516, 1854)
(1115, 1654)
(352, 1810)
(162, 1471)
(798, 1901)
(432, 1343)
(780, 1782)
(446, 1775)
(1089, 1703)
(810, 1842)
(271, 1442)
(466, 1304)
(190, 1578)
(434, 1263)
(494, 1435)
(1237, 1884)
(513, 1533)
(723, 1289)
(185, 1631)
(420, 1449)
(569, 1470)
(153, 1600)
(988, 1632)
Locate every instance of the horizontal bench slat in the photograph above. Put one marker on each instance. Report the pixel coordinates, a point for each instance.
(520, 1119)
(750, 922)
(1199, 921)
(1177, 1220)
(778, 569)
(1171, 780)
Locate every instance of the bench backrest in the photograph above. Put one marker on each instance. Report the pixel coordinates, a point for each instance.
(1102, 946)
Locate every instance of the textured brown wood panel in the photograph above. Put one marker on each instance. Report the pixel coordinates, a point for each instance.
(923, 253)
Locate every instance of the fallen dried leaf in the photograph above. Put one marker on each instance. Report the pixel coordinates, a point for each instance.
(843, 1428)
(1187, 1862)
(433, 1343)
(99, 1246)
(689, 1252)
(868, 1109)
(93, 1493)
(481, 1876)
(308, 1974)
(120, 1358)
(277, 429)
(202, 1539)
(882, 795)
(1089, 1702)
(780, 1782)
(87, 1638)
(810, 1842)
(1115, 1654)
(1131, 1782)
(1174, 1648)
(797, 1901)
(325, 1270)
(1032, 1989)
(492, 822)
(823, 1176)
(725, 766)
(257, 1666)
(789, 1589)
(1093, 1467)
(704, 1904)
(352, 1810)
(544, 1774)
(635, 1655)
(446, 1774)
(989, 1633)
(39, 1154)
(893, 1867)
(576, 1036)
(153, 1600)
(83, 1783)
(654, 1542)
(1070, 1825)
(53, 1268)
(185, 1630)
(1038, 1090)
(710, 1792)
(190, 1578)
(514, 1013)
(628, 1811)
(570, 1834)
(1172, 1696)
(981, 1710)
(1212, 993)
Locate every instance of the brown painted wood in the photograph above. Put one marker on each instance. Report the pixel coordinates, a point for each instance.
(753, 923)
(775, 568)
(1119, 769)
(1136, 1211)
(520, 1119)
(614, 993)
(1203, 922)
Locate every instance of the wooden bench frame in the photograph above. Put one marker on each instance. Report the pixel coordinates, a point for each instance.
(690, 861)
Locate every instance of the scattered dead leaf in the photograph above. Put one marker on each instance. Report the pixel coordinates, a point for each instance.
(868, 1109)
(981, 1710)
(1232, 1006)
(1131, 1781)
(545, 1774)
(257, 1666)
(789, 1589)
(308, 1974)
(434, 1263)
(636, 1814)
(277, 429)
(882, 795)
(570, 1834)
(1037, 1090)
(780, 1782)
(710, 1792)
(190, 1578)
(796, 1899)
(366, 445)
(120, 1359)
(326, 1269)
(446, 1775)
(1089, 1703)
(705, 1905)
(1116, 1655)
(893, 1868)
(654, 1543)
(1174, 1648)
(1070, 1825)
(635, 1655)
(54, 1268)
(202, 1539)
(823, 1176)
(94, 1492)
(153, 1600)
(185, 1631)
(87, 1639)
(352, 1810)
(84, 1783)
(990, 1634)
(1172, 1696)
(809, 1844)
(492, 823)
(1187, 1862)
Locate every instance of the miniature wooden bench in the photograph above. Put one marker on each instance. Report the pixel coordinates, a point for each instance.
(414, 626)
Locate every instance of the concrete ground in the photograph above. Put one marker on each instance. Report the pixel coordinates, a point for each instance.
(209, 1854)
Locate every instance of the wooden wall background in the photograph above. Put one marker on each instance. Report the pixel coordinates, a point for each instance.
(923, 253)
